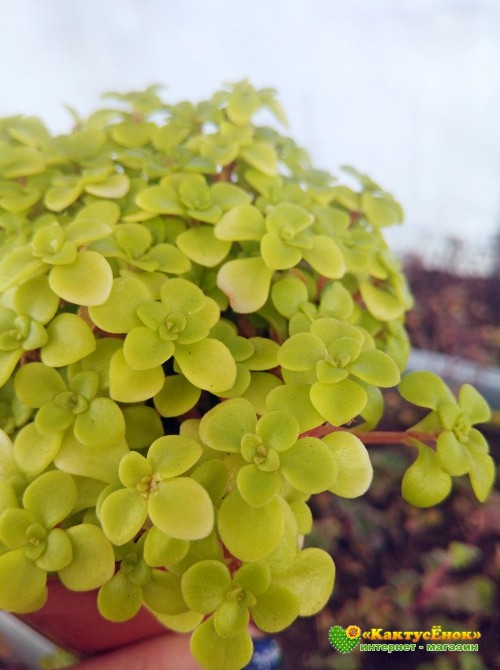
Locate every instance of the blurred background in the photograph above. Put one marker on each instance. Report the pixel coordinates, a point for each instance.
(407, 91)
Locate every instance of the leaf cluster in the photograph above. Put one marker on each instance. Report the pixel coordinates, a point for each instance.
(459, 447)
(195, 328)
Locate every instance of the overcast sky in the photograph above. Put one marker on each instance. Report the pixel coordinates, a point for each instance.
(405, 90)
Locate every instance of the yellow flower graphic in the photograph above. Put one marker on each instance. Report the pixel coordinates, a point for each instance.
(353, 631)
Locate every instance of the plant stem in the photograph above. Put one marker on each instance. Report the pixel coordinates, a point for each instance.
(225, 174)
(394, 437)
(376, 436)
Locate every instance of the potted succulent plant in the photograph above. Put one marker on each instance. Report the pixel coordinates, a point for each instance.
(195, 328)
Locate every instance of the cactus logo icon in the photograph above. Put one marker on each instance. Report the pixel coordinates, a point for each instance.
(344, 640)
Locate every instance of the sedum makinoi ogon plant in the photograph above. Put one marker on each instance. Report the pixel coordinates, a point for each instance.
(195, 328)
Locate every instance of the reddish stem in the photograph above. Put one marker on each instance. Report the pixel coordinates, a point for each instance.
(225, 174)
(375, 436)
